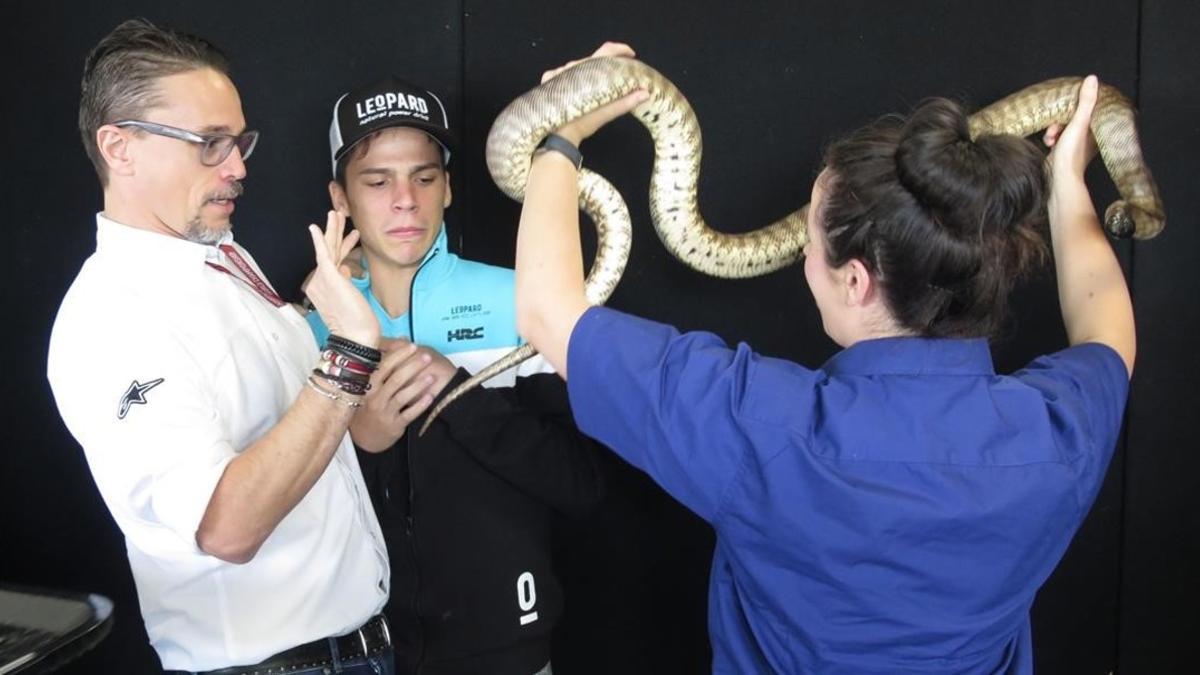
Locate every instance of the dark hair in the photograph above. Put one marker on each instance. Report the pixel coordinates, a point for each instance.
(943, 223)
(119, 76)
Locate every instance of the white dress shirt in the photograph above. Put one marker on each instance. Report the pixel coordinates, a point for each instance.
(164, 369)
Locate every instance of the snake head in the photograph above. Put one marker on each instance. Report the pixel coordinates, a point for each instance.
(1123, 220)
(1118, 221)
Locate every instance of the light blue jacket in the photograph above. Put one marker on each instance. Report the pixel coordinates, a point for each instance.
(460, 308)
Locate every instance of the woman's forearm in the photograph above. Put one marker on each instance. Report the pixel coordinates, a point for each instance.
(550, 297)
(1091, 286)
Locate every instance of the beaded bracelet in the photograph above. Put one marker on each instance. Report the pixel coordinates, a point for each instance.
(330, 368)
(348, 372)
(346, 362)
(332, 396)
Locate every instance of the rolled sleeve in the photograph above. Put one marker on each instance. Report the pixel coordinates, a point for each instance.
(157, 466)
(669, 403)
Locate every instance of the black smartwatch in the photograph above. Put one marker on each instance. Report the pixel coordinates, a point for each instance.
(562, 146)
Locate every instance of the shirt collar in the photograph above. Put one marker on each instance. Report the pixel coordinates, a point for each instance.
(152, 248)
(913, 356)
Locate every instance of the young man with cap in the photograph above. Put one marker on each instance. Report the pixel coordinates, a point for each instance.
(467, 508)
(219, 449)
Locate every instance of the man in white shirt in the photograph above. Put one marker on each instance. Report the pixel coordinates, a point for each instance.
(187, 381)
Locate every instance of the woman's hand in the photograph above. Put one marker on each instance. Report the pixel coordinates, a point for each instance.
(577, 130)
(1074, 146)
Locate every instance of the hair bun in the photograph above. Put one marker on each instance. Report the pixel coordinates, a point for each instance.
(945, 222)
(972, 188)
(939, 164)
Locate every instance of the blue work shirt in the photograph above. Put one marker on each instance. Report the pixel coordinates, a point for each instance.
(894, 511)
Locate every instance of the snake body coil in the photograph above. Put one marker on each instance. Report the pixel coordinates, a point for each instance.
(674, 209)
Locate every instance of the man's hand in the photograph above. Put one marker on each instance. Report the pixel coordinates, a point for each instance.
(408, 380)
(578, 130)
(352, 264)
(342, 307)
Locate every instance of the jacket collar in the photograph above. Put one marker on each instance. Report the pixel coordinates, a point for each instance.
(436, 264)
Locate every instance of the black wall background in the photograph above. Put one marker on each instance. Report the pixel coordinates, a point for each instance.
(772, 82)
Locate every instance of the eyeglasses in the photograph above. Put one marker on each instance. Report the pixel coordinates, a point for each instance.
(214, 148)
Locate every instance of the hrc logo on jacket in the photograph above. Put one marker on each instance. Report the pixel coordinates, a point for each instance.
(465, 334)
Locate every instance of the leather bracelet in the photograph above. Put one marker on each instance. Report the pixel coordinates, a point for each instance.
(562, 146)
(370, 355)
(350, 385)
(332, 372)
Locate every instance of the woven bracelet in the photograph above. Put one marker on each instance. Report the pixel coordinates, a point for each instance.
(369, 355)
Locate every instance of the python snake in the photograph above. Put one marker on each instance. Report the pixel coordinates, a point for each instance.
(674, 210)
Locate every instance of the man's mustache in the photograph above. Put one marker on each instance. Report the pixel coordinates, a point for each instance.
(234, 191)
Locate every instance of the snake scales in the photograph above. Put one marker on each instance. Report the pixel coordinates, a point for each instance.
(668, 116)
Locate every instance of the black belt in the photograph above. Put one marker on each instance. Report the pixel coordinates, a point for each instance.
(372, 638)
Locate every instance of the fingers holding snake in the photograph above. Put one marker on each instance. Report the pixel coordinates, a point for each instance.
(1050, 105)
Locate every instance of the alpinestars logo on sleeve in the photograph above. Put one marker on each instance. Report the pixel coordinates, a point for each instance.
(136, 393)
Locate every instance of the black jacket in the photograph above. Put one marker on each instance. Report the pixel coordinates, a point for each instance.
(466, 511)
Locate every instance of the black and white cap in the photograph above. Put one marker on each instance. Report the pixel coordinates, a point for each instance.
(390, 102)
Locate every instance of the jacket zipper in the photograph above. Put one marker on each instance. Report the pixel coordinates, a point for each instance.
(412, 333)
(412, 491)
(412, 541)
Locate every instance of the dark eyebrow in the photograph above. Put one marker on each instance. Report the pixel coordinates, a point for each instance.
(380, 172)
(217, 129)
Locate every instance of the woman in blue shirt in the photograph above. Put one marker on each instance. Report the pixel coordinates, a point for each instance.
(895, 510)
